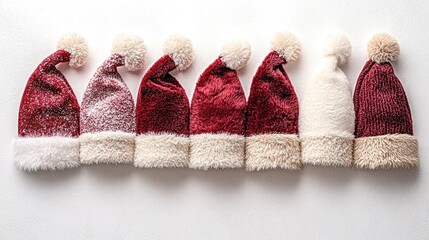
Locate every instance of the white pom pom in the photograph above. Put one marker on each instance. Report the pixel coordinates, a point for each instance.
(77, 47)
(286, 45)
(236, 54)
(383, 48)
(339, 47)
(180, 50)
(133, 49)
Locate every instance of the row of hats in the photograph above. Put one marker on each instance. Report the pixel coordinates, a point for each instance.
(372, 129)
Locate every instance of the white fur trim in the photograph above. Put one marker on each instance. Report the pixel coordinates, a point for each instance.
(383, 48)
(326, 107)
(132, 48)
(236, 54)
(180, 50)
(77, 46)
(106, 147)
(216, 151)
(269, 151)
(286, 45)
(46, 153)
(339, 47)
(161, 151)
(327, 151)
(386, 152)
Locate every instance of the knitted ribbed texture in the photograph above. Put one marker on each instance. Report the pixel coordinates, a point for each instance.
(107, 102)
(380, 102)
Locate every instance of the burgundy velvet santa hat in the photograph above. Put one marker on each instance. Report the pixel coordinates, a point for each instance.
(272, 111)
(107, 119)
(384, 127)
(48, 122)
(162, 112)
(218, 112)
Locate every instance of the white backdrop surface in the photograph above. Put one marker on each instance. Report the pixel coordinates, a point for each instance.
(121, 202)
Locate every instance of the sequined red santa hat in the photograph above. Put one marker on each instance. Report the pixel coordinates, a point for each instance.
(162, 111)
(218, 112)
(48, 122)
(327, 118)
(384, 127)
(272, 111)
(107, 119)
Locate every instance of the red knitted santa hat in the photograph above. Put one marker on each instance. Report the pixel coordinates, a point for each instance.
(384, 128)
(107, 119)
(218, 112)
(162, 112)
(272, 111)
(48, 122)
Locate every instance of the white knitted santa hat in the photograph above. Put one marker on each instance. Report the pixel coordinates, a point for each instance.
(326, 122)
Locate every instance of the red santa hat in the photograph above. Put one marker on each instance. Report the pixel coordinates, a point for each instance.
(384, 127)
(218, 112)
(162, 112)
(48, 122)
(272, 111)
(107, 119)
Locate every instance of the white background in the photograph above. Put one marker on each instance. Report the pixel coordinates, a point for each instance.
(121, 202)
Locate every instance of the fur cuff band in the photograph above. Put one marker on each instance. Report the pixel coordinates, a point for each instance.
(161, 151)
(216, 151)
(327, 151)
(386, 152)
(46, 153)
(269, 151)
(106, 147)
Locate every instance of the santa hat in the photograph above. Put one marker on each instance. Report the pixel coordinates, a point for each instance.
(272, 111)
(218, 112)
(48, 122)
(327, 117)
(107, 119)
(384, 128)
(162, 112)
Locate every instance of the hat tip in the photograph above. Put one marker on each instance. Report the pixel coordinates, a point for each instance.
(180, 50)
(383, 48)
(132, 48)
(236, 54)
(77, 46)
(339, 46)
(286, 45)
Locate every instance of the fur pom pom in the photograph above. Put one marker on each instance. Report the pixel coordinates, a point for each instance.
(77, 47)
(133, 49)
(383, 48)
(236, 54)
(286, 45)
(180, 50)
(339, 47)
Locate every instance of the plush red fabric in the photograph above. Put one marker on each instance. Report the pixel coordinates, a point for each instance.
(218, 104)
(273, 104)
(49, 106)
(107, 103)
(381, 105)
(162, 104)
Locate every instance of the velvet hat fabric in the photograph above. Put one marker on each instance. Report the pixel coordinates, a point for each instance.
(162, 111)
(48, 122)
(218, 112)
(384, 127)
(107, 119)
(272, 111)
(327, 119)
